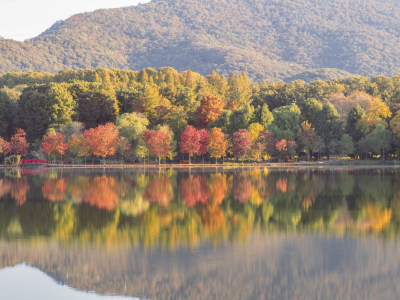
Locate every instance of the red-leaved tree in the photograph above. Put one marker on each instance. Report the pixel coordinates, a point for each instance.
(102, 140)
(203, 142)
(190, 141)
(241, 143)
(18, 143)
(158, 143)
(53, 144)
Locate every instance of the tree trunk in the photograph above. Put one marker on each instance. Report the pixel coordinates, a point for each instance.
(190, 160)
(159, 160)
(216, 160)
(308, 155)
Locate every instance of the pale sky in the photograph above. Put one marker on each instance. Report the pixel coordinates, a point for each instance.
(24, 19)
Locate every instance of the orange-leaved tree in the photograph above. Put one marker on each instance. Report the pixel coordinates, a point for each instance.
(53, 144)
(209, 110)
(159, 143)
(217, 143)
(78, 146)
(102, 140)
(18, 143)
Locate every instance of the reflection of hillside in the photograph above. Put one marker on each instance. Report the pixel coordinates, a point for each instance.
(272, 266)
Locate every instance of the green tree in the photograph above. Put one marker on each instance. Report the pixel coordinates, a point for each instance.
(224, 121)
(131, 126)
(355, 114)
(43, 105)
(266, 116)
(380, 140)
(286, 122)
(8, 110)
(97, 104)
(141, 150)
(310, 110)
(240, 119)
(346, 145)
(329, 125)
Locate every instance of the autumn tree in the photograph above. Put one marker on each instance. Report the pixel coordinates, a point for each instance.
(102, 140)
(306, 137)
(217, 143)
(264, 145)
(241, 143)
(53, 144)
(158, 143)
(209, 110)
(190, 141)
(254, 130)
(18, 143)
(4, 146)
(281, 146)
(203, 142)
(239, 91)
(375, 114)
(79, 146)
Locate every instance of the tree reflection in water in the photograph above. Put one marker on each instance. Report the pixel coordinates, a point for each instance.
(251, 233)
(172, 208)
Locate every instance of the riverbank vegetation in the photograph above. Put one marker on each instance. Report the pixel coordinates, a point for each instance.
(131, 116)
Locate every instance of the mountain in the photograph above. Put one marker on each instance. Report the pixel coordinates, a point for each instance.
(274, 39)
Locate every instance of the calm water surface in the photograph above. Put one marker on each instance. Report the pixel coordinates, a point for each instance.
(323, 233)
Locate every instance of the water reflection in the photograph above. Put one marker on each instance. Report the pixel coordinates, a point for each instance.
(172, 208)
(161, 233)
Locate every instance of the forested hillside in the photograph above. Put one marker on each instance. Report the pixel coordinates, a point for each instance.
(161, 114)
(268, 39)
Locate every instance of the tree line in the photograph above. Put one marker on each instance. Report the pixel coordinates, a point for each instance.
(132, 115)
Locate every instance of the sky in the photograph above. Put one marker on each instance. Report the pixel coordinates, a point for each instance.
(24, 19)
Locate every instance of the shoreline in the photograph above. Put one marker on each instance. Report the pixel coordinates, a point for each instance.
(225, 165)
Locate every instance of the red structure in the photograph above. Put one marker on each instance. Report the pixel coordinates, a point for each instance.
(33, 162)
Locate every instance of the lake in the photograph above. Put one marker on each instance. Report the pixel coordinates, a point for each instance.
(294, 233)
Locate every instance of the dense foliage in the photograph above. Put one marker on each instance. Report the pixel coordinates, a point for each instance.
(132, 115)
(269, 39)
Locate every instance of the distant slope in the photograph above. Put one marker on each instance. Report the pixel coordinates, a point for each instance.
(271, 40)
